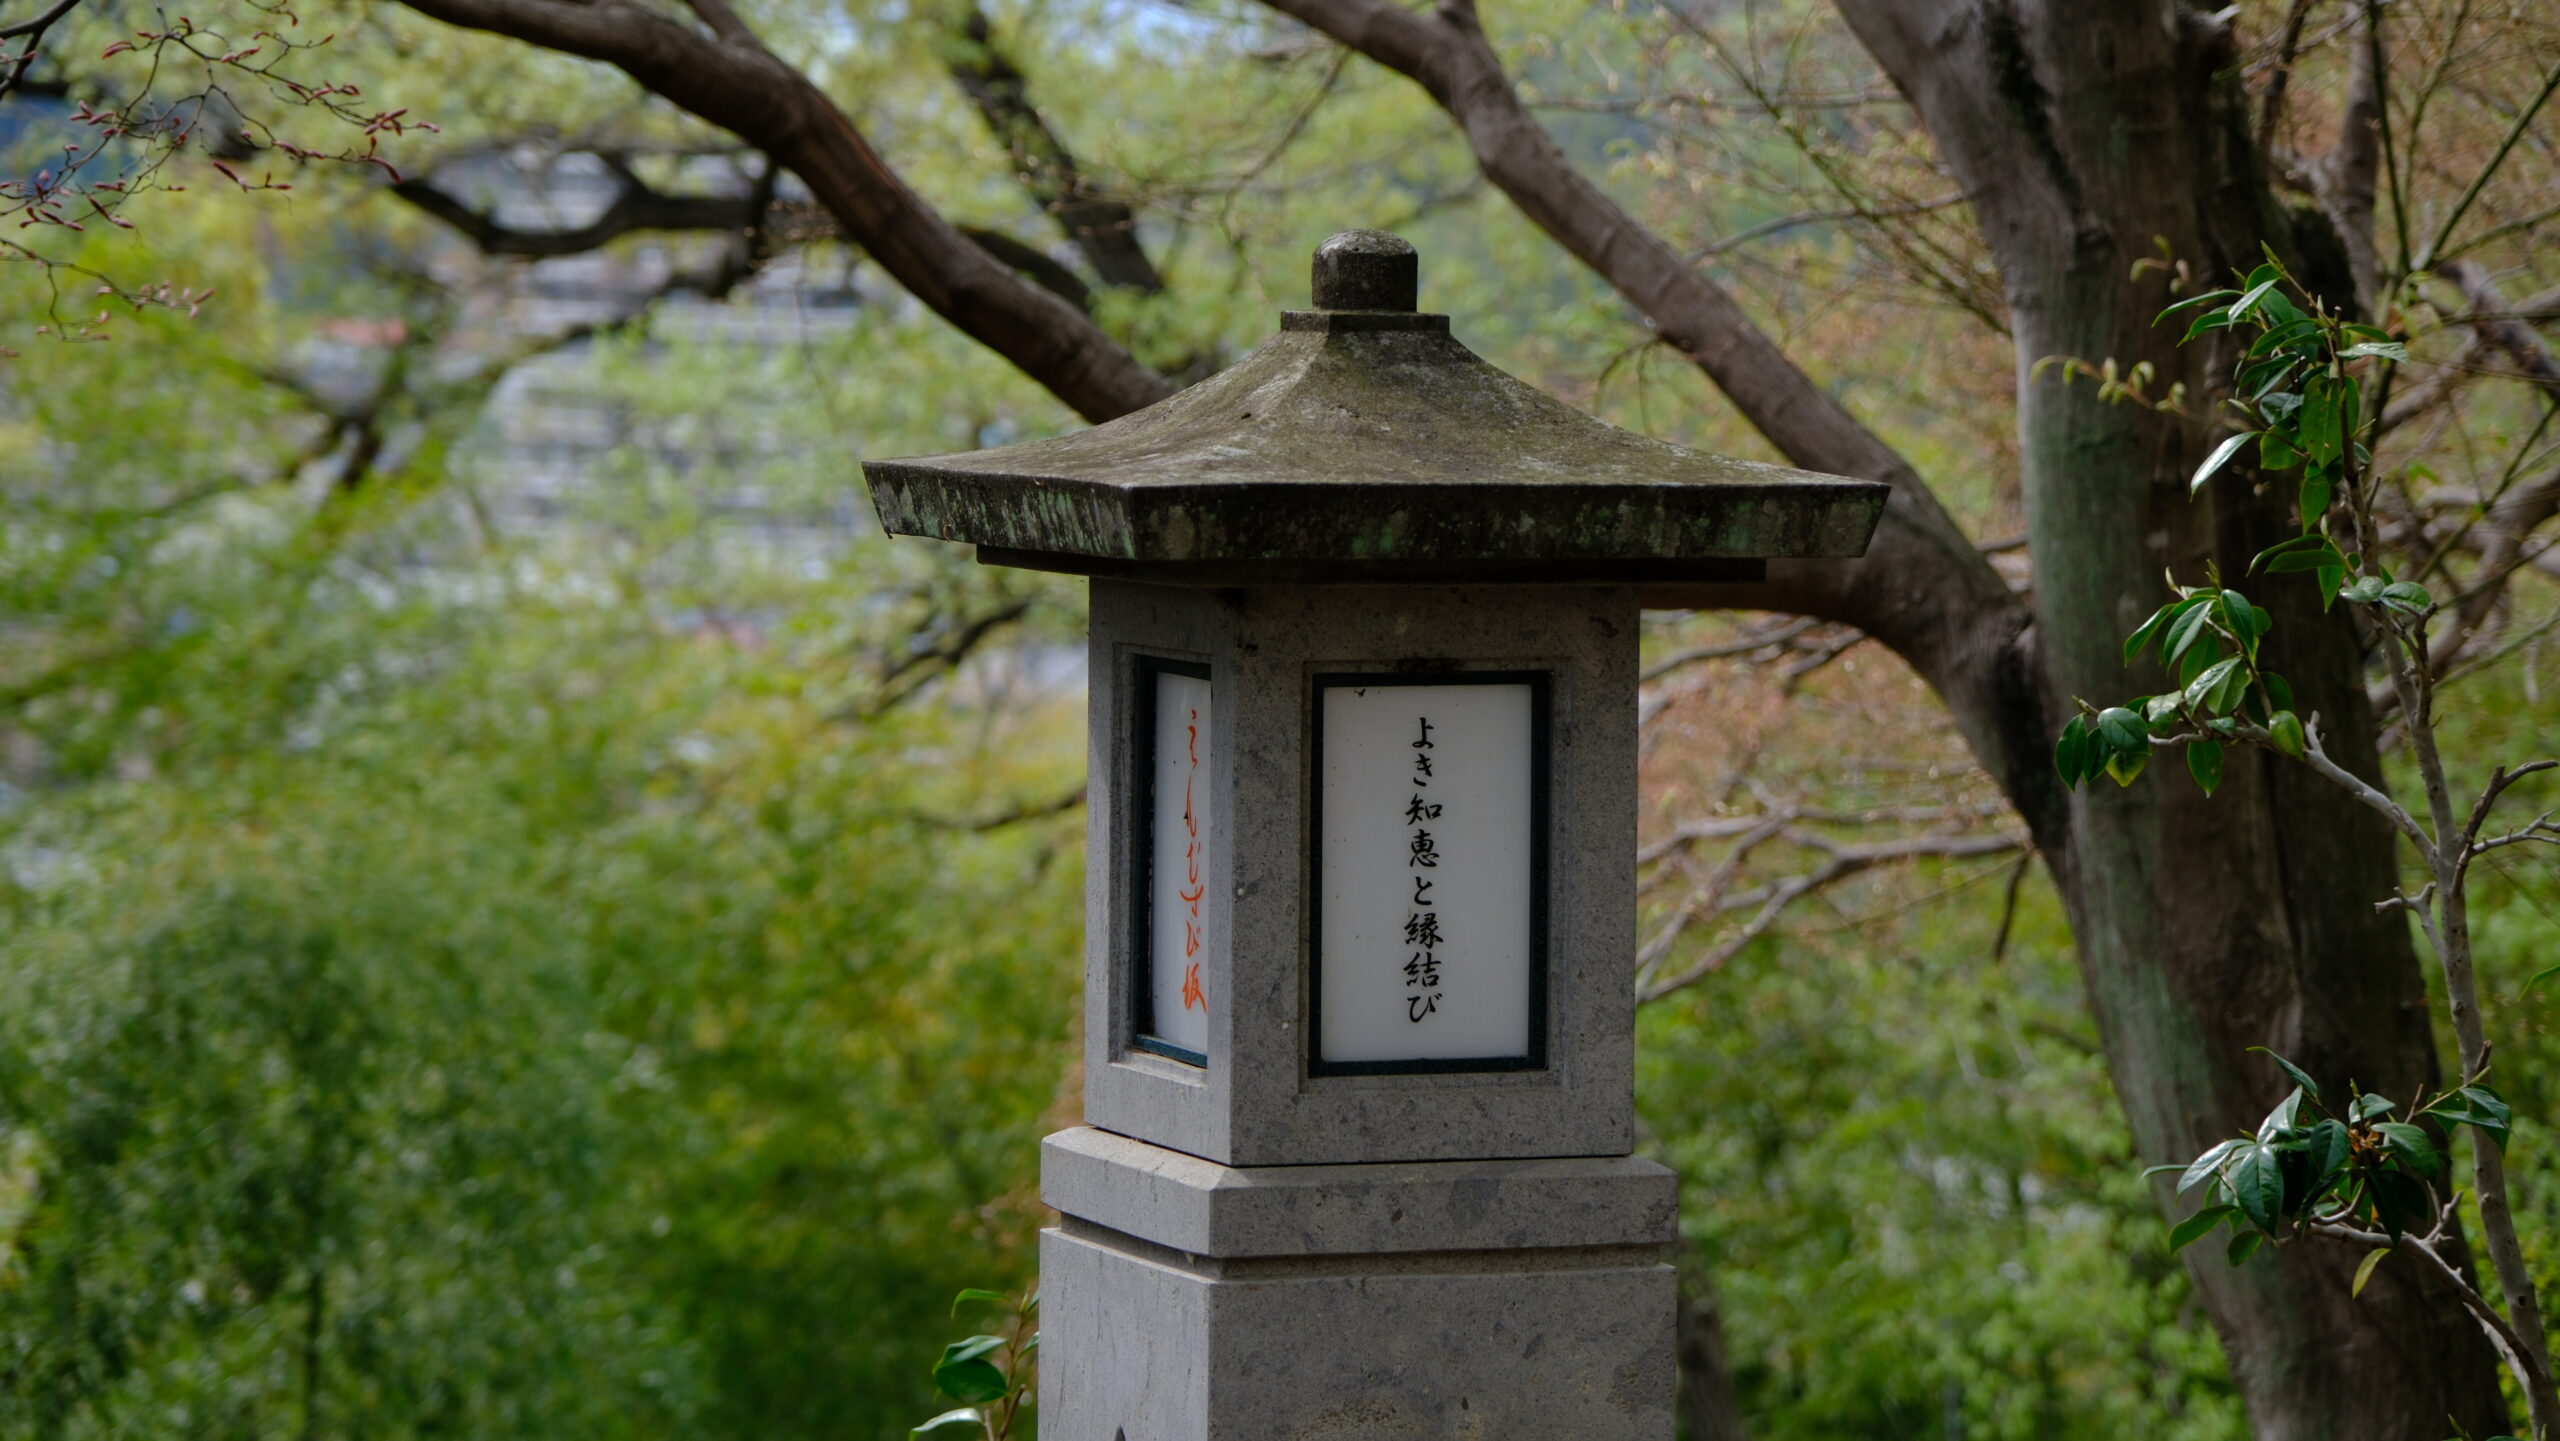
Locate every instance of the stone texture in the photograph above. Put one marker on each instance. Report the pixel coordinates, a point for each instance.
(1370, 441)
(1207, 1210)
(1255, 1103)
(1365, 270)
(1495, 1300)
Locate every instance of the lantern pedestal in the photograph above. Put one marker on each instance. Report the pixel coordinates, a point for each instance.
(1494, 1299)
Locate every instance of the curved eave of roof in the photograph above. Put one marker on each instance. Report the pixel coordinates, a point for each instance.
(1362, 437)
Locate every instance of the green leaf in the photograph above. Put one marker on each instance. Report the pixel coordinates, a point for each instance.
(2279, 689)
(2221, 454)
(2286, 334)
(2284, 547)
(2135, 643)
(2184, 630)
(2204, 762)
(2300, 1077)
(2193, 1229)
(2321, 425)
(2368, 1106)
(2243, 1245)
(2127, 769)
(2074, 753)
(2285, 729)
(2410, 1146)
(964, 1373)
(2279, 1123)
(2206, 654)
(2331, 577)
(975, 1293)
(2256, 292)
(2123, 732)
(2546, 973)
(2401, 1201)
(2364, 1269)
(964, 1416)
(2201, 691)
(2203, 1167)
(2332, 1147)
(2161, 711)
(2480, 1108)
(2388, 349)
(2407, 596)
(2311, 501)
(2317, 558)
(2257, 1185)
(2366, 590)
(2210, 320)
(2126, 741)
(2192, 301)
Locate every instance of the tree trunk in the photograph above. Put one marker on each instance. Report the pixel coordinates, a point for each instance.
(2205, 926)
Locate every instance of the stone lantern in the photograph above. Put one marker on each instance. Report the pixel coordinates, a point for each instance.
(1359, 1011)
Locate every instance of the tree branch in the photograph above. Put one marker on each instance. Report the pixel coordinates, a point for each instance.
(1922, 589)
(734, 82)
(1102, 227)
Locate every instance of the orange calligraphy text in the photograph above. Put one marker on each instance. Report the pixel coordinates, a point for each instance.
(1192, 997)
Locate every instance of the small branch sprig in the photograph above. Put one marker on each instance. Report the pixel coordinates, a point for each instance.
(2364, 1176)
(991, 1376)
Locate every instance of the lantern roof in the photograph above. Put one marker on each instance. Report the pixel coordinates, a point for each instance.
(1364, 444)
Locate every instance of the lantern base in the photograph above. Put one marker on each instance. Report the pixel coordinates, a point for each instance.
(1184, 1300)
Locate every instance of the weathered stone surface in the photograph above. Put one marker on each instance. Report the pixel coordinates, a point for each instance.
(1137, 1345)
(1366, 270)
(1372, 441)
(1256, 1103)
(1207, 1210)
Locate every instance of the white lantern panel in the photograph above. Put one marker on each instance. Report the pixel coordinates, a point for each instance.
(1427, 872)
(1177, 1018)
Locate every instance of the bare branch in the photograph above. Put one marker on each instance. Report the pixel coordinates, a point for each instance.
(1922, 589)
(741, 86)
(1100, 226)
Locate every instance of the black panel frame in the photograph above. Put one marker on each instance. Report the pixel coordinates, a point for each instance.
(1541, 685)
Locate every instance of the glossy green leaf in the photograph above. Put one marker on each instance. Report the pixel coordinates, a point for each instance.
(2205, 1166)
(2187, 627)
(2210, 297)
(2140, 640)
(2279, 1123)
(2193, 1229)
(2411, 1146)
(2243, 1245)
(2313, 558)
(2257, 1185)
(2075, 753)
(2221, 455)
(2123, 732)
(964, 1416)
(2285, 729)
(2368, 1106)
(2407, 596)
(2204, 762)
(2277, 451)
(965, 1374)
(2387, 349)
(975, 1293)
(2364, 1269)
(2201, 691)
(2300, 1077)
